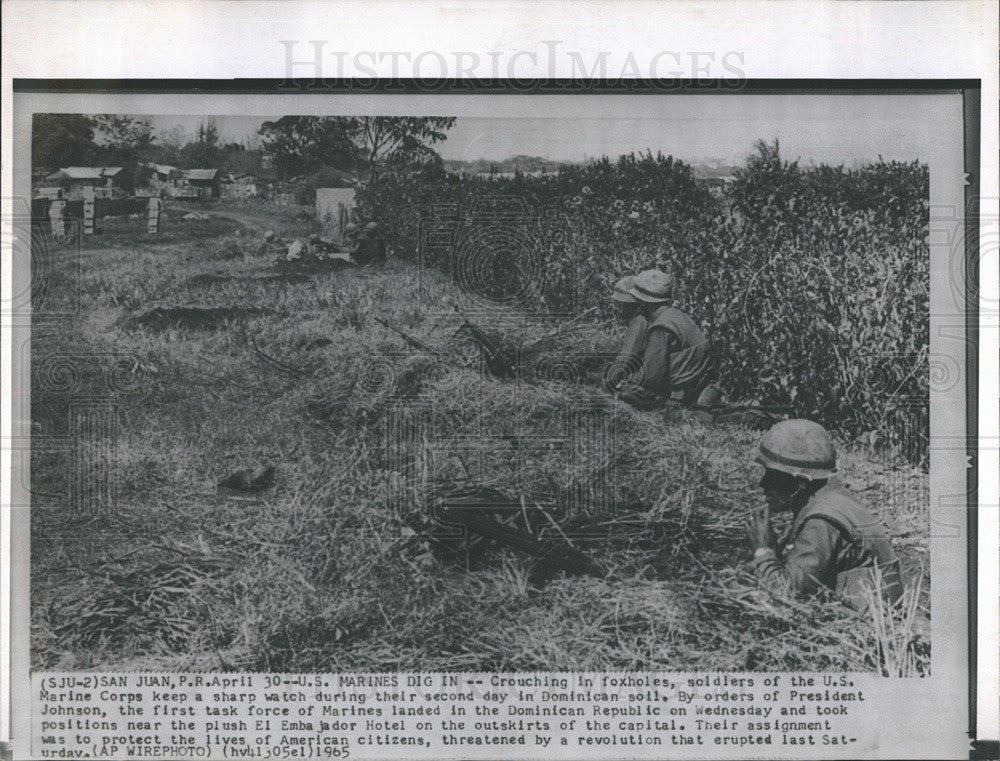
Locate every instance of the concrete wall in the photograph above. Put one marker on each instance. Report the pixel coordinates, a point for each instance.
(334, 206)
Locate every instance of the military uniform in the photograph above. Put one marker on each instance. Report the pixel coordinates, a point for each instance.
(666, 356)
(370, 246)
(833, 542)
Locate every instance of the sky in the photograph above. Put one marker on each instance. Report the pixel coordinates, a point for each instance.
(810, 128)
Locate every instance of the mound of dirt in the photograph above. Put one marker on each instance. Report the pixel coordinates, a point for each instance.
(199, 318)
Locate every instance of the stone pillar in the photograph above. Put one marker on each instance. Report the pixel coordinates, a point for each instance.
(88, 210)
(154, 215)
(57, 219)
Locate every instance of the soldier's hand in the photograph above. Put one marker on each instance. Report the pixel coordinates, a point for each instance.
(761, 533)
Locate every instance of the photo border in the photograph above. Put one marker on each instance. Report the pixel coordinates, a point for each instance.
(970, 89)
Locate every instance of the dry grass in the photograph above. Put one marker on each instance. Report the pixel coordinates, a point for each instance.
(324, 572)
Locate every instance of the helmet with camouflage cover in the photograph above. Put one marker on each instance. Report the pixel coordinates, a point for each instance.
(622, 291)
(652, 286)
(800, 448)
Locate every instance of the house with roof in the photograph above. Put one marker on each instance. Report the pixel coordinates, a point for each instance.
(164, 175)
(203, 182)
(72, 180)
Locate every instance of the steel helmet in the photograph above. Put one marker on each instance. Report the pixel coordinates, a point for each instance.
(651, 286)
(621, 293)
(269, 235)
(799, 448)
(371, 227)
(350, 227)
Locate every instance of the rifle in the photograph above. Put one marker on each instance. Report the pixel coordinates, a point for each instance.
(414, 342)
(534, 344)
(553, 556)
(473, 508)
(767, 409)
(498, 358)
(277, 364)
(498, 362)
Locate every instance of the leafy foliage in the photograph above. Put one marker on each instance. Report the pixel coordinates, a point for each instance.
(303, 143)
(59, 140)
(123, 141)
(308, 143)
(812, 282)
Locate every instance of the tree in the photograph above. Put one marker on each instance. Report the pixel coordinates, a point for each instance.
(127, 142)
(60, 140)
(394, 140)
(768, 186)
(128, 135)
(176, 137)
(301, 144)
(236, 159)
(208, 132)
(204, 152)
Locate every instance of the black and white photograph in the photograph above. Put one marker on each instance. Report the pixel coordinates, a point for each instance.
(442, 393)
(461, 380)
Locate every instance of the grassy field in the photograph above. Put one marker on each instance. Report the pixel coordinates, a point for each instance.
(323, 571)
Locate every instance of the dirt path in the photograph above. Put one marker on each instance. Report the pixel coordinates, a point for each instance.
(254, 219)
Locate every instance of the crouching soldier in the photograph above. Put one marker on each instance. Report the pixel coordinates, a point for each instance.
(626, 307)
(664, 355)
(370, 248)
(833, 542)
(626, 311)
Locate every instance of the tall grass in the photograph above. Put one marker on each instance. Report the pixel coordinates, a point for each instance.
(324, 571)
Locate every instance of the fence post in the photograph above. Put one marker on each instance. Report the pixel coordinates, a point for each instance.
(88, 210)
(154, 215)
(56, 219)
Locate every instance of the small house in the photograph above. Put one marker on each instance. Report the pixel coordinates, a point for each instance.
(163, 177)
(204, 182)
(72, 180)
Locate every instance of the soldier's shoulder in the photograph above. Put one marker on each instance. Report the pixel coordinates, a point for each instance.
(835, 503)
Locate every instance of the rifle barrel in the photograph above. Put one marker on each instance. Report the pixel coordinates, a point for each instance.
(415, 342)
(560, 556)
(560, 329)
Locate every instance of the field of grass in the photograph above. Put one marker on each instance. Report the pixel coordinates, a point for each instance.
(324, 571)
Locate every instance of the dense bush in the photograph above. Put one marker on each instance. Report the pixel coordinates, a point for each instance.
(813, 282)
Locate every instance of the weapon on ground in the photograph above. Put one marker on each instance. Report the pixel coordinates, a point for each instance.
(499, 360)
(561, 329)
(499, 363)
(277, 364)
(767, 409)
(756, 417)
(554, 555)
(414, 342)
(500, 355)
(475, 508)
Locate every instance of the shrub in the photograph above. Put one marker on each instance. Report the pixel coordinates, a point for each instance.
(813, 283)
